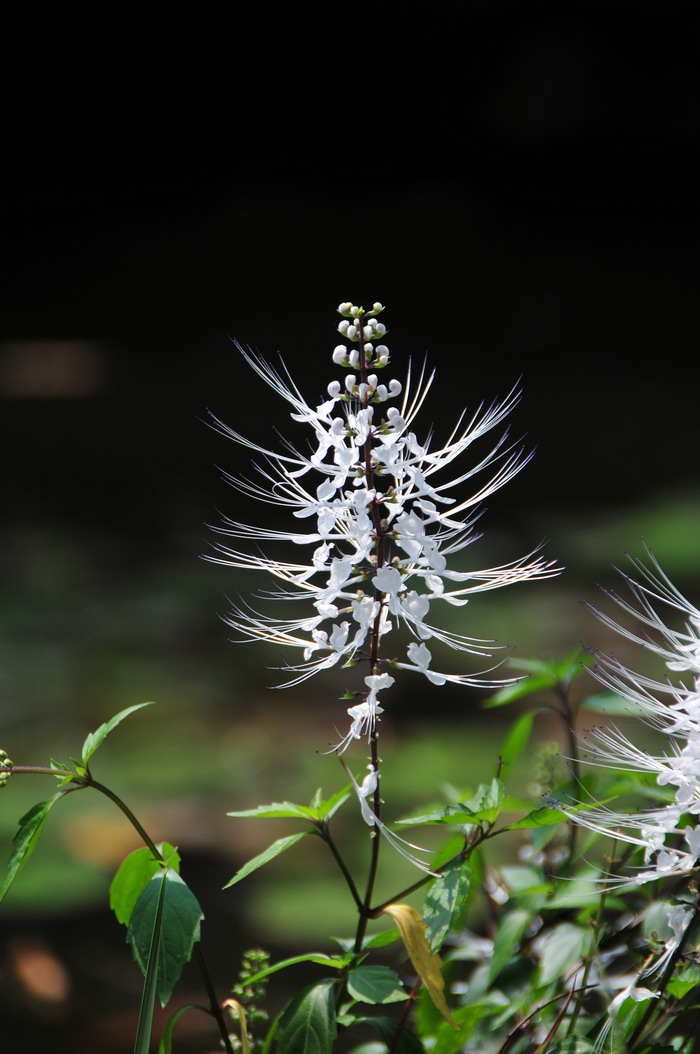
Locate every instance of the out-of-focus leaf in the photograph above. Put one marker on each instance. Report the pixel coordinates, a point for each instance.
(407, 1043)
(572, 1045)
(277, 809)
(166, 1040)
(608, 703)
(166, 896)
(562, 948)
(95, 739)
(426, 964)
(308, 1025)
(134, 874)
(543, 675)
(376, 984)
(264, 858)
(444, 902)
(511, 928)
(516, 740)
(685, 980)
(24, 842)
(151, 938)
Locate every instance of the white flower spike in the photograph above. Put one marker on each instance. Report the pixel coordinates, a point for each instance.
(384, 522)
(669, 835)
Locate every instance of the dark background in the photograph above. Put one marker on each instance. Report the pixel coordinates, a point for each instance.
(517, 184)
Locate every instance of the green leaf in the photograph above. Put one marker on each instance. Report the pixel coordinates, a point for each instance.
(336, 962)
(328, 808)
(181, 915)
(134, 874)
(166, 1040)
(444, 902)
(96, 739)
(264, 858)
(608, 703)
(572, 1045)
(484, 805)
(276, 810)
(516, 740)
(308, 1025)
(542, 676)
(685, 980)
(561, 949)
(376, 984)
(407, 1042)
(153, 942)
(543, 816)
(510, 931)
(24, 842)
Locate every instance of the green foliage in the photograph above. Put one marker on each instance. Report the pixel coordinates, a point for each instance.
(541, 676)
(375, 984)
(24, 842)
(96, 739)
(164, 923)
(272, 851)
(308, 1023)
(134, 874)
(445, 901)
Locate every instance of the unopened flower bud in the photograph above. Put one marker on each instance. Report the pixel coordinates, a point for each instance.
(350, 332)
(377, 307)
(334, 389)
(350, 382)
(395, 387)
(343, 326)
(344, 308)
(362, 391)
(379, 329)
(367, 332)
(354, 357)
(340, 355)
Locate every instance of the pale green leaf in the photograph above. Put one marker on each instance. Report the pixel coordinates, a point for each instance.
(268, 854)
(134, 874)
(445, 901)
(96, 738)
(376, 984)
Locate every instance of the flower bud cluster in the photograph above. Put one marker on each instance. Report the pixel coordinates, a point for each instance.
(361, 327)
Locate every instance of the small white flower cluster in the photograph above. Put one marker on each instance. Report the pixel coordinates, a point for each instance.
(384, 521)
(670, 836)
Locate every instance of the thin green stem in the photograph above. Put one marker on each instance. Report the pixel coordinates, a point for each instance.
(330, 842)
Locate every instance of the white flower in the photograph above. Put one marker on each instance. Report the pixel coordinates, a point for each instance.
(385, 521)
(669, 835)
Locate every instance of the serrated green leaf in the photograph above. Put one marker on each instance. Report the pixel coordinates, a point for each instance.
(544, 816)
(511, 928)
(134, 874)
(376, 984)
(308, 1025)
(24, 842)
(516, 740)
(560, 949)
(95, 739)
(180, 920)
(444, 902)
(264, 858)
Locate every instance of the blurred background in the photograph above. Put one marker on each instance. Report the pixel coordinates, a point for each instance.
(519, 187)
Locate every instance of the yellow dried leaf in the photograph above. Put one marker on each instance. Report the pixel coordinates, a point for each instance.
(426, 964)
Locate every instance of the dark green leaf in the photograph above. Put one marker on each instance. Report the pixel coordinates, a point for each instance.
(376, 984)
(407, 1043)
(133, 876)
(150, 968)
(572, 1045)
(444, 902)
(178, 931)
(96, 738)
(264, 858)
(484, 805)
(308, 1025)
(24, 842)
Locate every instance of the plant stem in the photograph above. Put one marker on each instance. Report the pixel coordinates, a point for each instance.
(330, 842)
